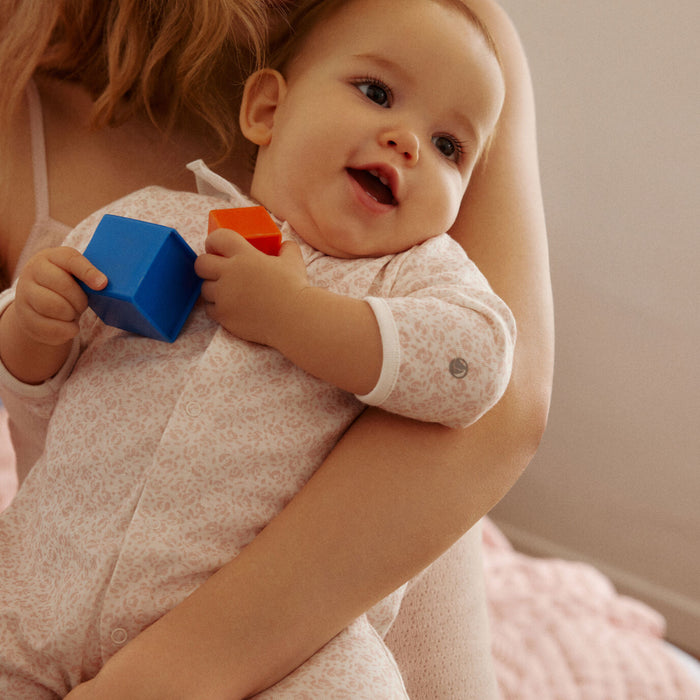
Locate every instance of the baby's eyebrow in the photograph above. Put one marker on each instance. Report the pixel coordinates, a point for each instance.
(387, 64)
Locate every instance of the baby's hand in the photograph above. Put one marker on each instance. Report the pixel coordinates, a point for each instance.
(246, 290)
(48, 300)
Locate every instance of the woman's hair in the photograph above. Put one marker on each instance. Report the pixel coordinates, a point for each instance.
(152, 57)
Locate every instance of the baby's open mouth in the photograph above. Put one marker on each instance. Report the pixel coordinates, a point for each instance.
(374, 184)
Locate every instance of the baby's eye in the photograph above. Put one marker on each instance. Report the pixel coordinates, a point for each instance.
(376, 91)
(449, 147)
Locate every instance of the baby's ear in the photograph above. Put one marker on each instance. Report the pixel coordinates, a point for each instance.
(263, 92)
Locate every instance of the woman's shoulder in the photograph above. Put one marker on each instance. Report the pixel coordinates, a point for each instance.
(16, 193)
(91, 167)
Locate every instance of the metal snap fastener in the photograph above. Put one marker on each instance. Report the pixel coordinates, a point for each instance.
(459, 368)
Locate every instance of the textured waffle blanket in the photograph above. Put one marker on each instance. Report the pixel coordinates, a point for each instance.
(561, 631)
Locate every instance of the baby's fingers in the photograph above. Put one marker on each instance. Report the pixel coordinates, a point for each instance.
(226, 243)
(208, 266)
(78, 266)
(44, 314)
(48, 284)
(46, 329)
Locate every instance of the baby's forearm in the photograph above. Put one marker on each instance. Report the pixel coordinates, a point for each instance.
(334, 337)
(26, 359)
(268, 300)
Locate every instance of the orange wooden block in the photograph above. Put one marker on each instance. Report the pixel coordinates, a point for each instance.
(253, 223)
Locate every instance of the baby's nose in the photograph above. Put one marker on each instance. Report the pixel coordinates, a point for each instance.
(405, 142)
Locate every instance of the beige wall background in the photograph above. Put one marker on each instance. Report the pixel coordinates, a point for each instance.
(617, 479)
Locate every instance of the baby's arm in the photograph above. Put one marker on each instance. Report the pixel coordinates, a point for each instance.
(448, 340)
(268, 300)
(38, 327)
(439, 349)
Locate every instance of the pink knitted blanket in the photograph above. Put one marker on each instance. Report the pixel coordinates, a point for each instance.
(560, 631)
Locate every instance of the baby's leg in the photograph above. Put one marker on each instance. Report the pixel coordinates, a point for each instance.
(17, 688)
(27, 674)
(355, 665)
(32, 662)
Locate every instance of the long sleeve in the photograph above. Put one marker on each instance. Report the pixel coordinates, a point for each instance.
(447, 339)
(30, 406)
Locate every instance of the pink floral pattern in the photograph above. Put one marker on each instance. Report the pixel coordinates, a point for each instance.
(162, 461)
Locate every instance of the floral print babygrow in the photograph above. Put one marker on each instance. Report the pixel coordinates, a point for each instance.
(162, 461)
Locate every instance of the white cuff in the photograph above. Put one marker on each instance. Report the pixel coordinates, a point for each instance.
(391, 353)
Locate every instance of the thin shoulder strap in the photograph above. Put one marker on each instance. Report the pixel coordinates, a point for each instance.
(41, 176)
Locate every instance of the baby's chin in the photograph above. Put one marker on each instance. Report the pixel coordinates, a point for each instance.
(340, 247)
(326, 239)
(330, 238)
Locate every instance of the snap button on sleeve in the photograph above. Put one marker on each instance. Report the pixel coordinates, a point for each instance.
(119, 636)
(459, 368)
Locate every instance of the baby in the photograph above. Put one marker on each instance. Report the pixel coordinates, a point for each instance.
(162, 461)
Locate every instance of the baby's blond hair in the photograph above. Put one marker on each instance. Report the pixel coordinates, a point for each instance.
(308, 13)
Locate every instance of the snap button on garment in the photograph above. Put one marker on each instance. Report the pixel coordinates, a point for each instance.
(459, 368)
(119, 636)
(193, 409)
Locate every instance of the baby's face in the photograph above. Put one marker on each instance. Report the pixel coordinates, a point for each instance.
(387, 109)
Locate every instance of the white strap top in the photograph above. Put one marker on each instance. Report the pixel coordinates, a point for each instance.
(46, 232)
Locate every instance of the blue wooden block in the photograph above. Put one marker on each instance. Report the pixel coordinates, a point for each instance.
(152, 283)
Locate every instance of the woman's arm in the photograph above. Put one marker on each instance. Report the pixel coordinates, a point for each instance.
(393, 494)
